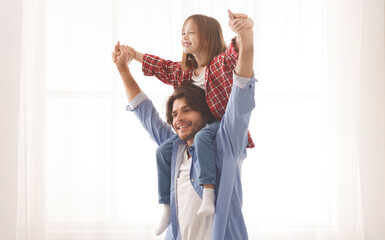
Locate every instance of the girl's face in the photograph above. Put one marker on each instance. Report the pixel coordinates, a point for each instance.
(190, 38)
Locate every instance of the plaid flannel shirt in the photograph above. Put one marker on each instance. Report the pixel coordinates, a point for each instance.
(218, 78)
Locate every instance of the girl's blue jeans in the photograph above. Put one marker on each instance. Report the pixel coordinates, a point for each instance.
(203, 147)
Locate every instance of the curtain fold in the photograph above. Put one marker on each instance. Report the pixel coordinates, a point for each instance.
(343, 46)
(355, 45)
(31, 161)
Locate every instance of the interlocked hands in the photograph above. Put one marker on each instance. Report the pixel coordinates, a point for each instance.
(239, 22)
(123, 55)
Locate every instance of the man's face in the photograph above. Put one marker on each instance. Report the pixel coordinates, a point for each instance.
(186, 122)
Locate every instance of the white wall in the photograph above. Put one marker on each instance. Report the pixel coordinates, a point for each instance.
(10, 50)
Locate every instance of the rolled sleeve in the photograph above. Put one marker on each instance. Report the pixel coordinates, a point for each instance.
(138, 99)
(242, 81)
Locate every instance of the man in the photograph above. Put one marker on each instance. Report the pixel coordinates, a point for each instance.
(230, 148)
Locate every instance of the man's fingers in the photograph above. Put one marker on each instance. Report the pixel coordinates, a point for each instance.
(122, 49)
(125, 51)
(236, 23)
(241, 24)
(117, 47)
(241, 27)
(113, 57)
(231, 15)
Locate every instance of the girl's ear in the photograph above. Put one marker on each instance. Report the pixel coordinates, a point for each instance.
(204, 43)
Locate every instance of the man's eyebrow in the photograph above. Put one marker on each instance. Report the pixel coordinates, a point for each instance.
(181, 108)
(185, 107)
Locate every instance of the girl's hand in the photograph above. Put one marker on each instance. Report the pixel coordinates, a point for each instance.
(117, 51)
(239, 22)
(123, 55)
(233, 16)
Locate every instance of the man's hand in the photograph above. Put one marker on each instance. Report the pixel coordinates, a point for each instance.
(243, 26)
(239, 22)
(122, 55)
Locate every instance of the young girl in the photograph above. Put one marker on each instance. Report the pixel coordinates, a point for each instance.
(209, 64)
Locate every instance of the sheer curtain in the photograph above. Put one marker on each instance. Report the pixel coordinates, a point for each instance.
(356, 53)
(87, 169)
(31, 157)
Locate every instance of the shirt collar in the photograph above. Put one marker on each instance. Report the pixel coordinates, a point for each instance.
(180, 142)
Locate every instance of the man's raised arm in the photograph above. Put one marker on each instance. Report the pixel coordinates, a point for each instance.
(244, 28)
(144, 110)
(235, 122)
(122, 56)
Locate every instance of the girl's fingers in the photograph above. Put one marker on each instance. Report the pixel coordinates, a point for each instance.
(131, 51)
(240, 15)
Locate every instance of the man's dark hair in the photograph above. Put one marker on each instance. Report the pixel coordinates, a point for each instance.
(195, 99)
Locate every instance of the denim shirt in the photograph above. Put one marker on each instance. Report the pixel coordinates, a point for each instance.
(229, 149)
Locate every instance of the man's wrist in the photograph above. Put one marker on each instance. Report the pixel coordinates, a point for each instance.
(246, 39)
(246, 34)
(136, 101)
(241, 81)
(123, 68)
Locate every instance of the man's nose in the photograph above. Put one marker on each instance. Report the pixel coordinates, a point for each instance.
(179, 117)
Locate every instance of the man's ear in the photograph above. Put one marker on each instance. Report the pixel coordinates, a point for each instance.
(172, 125)
(206, 119)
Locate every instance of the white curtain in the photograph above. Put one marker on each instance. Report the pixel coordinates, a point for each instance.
(87, 169)
(31, 157)
(355, 45)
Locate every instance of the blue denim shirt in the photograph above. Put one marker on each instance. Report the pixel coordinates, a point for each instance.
(230, 151)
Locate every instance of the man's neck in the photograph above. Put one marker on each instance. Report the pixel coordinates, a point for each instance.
(189, 143)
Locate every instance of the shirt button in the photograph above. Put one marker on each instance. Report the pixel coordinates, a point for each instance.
(192, 179)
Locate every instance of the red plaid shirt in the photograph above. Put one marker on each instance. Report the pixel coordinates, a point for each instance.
(218, 78)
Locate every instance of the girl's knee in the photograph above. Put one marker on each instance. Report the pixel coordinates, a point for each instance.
(203, 136)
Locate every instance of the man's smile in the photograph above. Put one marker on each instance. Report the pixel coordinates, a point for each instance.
(184, 125)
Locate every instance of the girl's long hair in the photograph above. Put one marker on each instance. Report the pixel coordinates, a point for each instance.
(210, 31)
